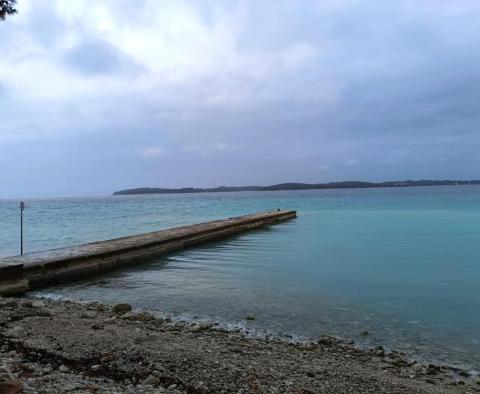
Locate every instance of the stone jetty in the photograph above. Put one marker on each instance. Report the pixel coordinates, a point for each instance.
(36, 270)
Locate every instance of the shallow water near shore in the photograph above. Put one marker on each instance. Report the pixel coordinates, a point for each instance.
(401, 263)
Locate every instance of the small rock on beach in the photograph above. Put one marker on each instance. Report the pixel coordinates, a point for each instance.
(122, 308)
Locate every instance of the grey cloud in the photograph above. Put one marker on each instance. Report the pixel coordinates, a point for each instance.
(3, 91)
(98, 57)
(46, 27)
(404, 105)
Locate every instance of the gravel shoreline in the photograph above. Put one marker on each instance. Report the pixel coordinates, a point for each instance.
(51, 346)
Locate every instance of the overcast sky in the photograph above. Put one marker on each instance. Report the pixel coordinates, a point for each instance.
(97, 96)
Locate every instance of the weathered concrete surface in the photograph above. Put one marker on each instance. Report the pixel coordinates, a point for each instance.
(35, 270)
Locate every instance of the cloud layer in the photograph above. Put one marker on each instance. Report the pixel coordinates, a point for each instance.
(101, 96)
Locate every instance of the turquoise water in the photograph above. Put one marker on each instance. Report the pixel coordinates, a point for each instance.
(403, 264)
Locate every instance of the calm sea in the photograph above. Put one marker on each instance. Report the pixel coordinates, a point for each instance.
(401, 263)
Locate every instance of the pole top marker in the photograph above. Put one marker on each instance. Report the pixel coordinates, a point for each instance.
(22, 205)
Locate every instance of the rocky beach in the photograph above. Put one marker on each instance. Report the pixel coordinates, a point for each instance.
(51, 346)
(265, 197)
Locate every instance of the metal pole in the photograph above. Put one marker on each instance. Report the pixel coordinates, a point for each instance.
(22, 207)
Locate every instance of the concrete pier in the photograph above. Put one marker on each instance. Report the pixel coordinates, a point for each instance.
(35, 270)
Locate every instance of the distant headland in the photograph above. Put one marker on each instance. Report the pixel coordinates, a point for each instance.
(296, 186)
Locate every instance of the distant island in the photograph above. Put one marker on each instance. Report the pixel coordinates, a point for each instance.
(296, 186)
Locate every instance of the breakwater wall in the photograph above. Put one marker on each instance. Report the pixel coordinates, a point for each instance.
(19, 274)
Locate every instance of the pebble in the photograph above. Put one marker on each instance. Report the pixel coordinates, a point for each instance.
(48, 369)
(9, 384)
(159, 369)
(200, 327)
(432, 369)
(122, 308)
(327, 340)
(152, 381)
(38, 304)
(380, 351)
(16, 332)
(96, 326)
(132, 316)
(88, 315)
(418, 367)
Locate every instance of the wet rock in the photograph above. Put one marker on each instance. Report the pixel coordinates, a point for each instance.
(464, 374)
(121, 308)
(431, 370)
(327, 340)
(400, 362)
(16, 332)
(200, 327)
(364, 333)
(379, 351)
(251, 317)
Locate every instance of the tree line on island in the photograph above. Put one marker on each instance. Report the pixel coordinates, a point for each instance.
(297, 186)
